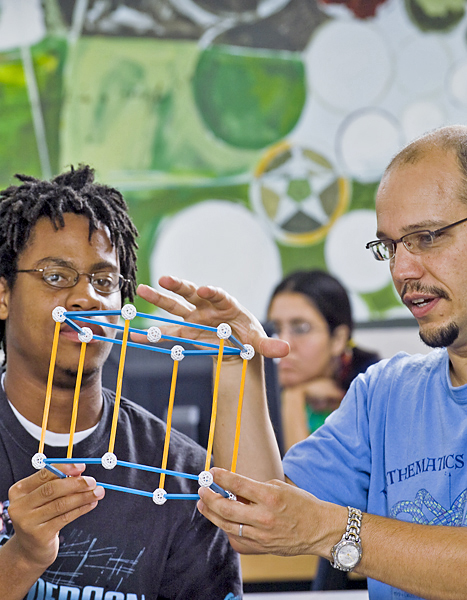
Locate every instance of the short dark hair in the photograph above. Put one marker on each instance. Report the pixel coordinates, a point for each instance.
(73, 191)
(324, 291)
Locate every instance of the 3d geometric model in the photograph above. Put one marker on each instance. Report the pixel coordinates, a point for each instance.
(109, 460)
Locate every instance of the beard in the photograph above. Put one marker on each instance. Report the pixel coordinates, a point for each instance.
(439, 338)
(442, 337)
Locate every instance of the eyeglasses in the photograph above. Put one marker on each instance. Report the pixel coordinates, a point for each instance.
(104, 282)
(295, 328)
(416, 242)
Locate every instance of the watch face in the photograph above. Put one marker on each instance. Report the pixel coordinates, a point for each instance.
(348, 555)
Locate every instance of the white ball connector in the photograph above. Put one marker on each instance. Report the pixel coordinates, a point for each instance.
(158, 496)
(224, 331)
(248, 352)
(85, 335)
(154, 334)
(128, 312)
(177, 353)
(205, 479)
(38, 460)
(58, 314)
(109, 460)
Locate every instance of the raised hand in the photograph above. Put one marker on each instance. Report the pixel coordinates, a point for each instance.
(207, 305)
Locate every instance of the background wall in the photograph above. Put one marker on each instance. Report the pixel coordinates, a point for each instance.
(248, 136)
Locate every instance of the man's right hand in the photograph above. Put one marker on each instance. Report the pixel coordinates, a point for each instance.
(41, 505)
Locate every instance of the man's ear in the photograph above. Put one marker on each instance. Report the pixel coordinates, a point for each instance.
(4, 299)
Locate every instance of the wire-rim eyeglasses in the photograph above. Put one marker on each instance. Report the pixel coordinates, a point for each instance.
(416, 242)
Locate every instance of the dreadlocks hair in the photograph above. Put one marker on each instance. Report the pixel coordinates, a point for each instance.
(71, 192)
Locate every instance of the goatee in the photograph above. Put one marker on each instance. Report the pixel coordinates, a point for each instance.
(442, 337)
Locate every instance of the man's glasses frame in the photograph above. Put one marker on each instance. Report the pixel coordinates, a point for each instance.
(70, 277)
(416, 242)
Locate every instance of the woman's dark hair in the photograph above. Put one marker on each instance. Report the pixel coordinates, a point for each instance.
(71, 192)
(324, 291)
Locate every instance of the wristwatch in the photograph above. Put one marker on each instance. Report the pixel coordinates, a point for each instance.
(347, 553)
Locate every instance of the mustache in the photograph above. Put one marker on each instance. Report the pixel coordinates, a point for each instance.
(416, 286)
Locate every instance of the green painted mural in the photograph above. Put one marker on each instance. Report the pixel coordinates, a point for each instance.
(247, 136)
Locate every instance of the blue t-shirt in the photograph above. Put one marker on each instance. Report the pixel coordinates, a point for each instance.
(396, 447)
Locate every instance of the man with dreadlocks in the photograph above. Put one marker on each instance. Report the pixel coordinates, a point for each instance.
(70, 242)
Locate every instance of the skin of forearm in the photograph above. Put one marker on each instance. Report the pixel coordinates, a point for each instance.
(19, 573)
(424, 560)
(293, 411)
(258, 455)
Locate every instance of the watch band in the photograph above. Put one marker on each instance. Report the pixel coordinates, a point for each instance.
(351, 537)
(354, 524)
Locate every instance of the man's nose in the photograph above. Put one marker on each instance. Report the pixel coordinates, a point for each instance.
(405, 265)
(83, 295)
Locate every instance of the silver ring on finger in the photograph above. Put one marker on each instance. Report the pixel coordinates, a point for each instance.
(240, 530)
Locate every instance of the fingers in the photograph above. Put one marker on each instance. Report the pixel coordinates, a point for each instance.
(171, 304)
(31, 483)
(186, 289)
(43, 497)
(228, 515)
(42, 504)
(209, 305)
(272, 347)
(250, 490)
(277, 517)
(224, 513)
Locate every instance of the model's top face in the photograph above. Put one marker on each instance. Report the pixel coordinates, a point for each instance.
(433, 284)
(29, 324)
(312, 347)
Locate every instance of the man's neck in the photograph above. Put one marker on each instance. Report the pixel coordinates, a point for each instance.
(458, 366)
(27, 394)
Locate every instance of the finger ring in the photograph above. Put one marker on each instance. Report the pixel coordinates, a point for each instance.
(240, 530)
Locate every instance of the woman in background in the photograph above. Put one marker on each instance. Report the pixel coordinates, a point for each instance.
(311, 310)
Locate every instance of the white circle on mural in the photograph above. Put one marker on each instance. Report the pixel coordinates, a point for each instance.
(457, 83)
(223, 244)
(349, 260)
(420, 117)
(348, 65)
(366, 142)
(422, 65)
(21, 24)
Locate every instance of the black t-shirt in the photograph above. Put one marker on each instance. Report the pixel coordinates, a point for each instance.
(128, 548)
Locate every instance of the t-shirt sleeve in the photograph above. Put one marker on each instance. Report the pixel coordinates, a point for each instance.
(202, 565)
(334, 462)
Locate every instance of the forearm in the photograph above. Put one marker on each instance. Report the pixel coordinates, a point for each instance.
(424, 560)
(427, 561)
(294, 421)
(258, 455)
(18, 574)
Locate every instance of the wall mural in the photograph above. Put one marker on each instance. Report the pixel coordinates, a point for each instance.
(248, 136)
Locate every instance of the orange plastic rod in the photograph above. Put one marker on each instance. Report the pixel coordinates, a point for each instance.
(118, 390)
(169, 423)
(48, 394)
(74, 414)
(239, 417)
(214, 406)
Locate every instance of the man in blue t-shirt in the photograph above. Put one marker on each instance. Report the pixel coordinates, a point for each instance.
(391, 462)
